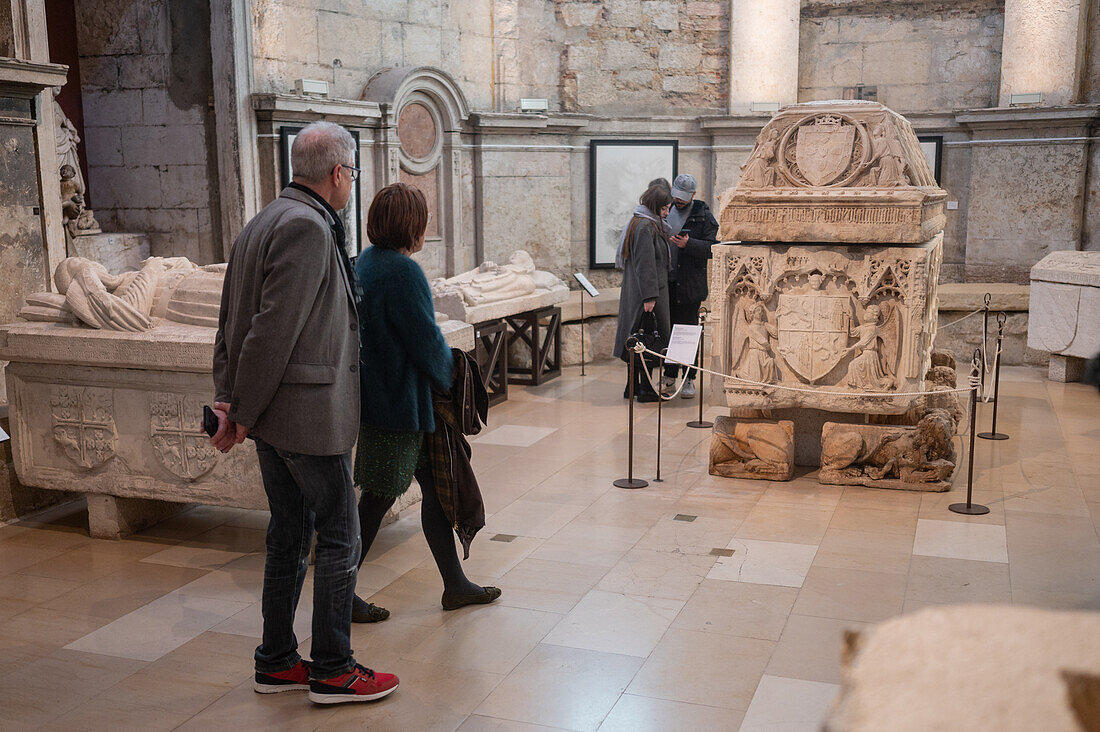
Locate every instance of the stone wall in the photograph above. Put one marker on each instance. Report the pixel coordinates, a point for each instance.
(920, 55)
(632, 56)
(146, 84)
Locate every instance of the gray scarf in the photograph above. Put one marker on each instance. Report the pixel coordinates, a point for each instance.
(645, 213)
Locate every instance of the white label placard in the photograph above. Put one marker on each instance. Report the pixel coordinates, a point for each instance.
(579, 277)
(3, 435)
(684, 343)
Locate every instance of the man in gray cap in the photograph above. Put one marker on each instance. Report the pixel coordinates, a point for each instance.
(694, 232)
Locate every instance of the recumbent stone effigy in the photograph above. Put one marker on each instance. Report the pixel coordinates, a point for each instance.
(831, 291)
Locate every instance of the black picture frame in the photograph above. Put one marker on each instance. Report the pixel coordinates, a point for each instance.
(616, 205)
(937, 157)
(354, 233)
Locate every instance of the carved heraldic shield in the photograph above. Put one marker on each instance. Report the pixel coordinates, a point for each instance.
(83, 424)
(179, 442)
(823, 149)
(813, 332)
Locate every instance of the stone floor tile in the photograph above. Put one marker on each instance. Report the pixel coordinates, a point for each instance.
(525, 517)
(851, 594)
(843, 549)
(786, 523)
(539, 584)
(562, 687)
(704, 668)
(954, 540)
(513, 435)
(478, 723)
(615, 623)
(632, 713)
(791, 705)
(810, 648)
(738, 608)
(490, 638)
(765, 563)
(670, 575)
(956, 581)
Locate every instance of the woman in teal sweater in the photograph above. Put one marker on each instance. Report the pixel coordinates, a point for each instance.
(402, 355)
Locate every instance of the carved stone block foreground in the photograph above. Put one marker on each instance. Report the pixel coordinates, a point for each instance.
(919, 458)
(843, 318)
(1065, 310)
(752, 448)
(971, 667)
(835, 172)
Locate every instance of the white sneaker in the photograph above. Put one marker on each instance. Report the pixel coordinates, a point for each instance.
(668, 386)
(689, 390)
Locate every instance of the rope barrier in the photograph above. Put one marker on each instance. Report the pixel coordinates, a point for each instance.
(956, 322)
(640, 348)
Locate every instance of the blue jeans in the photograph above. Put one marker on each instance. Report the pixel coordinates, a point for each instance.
(307, 492)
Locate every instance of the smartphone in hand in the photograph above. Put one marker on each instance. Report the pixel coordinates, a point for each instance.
(209, 421)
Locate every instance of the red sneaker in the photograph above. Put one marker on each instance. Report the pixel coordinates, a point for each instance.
(295, 678)
(359, 684)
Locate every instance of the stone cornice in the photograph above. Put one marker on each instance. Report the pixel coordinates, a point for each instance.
(30, 76)
(294, 107)
(521, 122)
(1003, 118)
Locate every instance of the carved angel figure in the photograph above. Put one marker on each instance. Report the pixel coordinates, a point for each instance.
(889, 157)
(758, 362)
(66, 140)
(876, 350)
(757, 172)
(72, 199)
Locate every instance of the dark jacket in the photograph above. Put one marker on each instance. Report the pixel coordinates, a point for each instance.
(460, 410)
(403, 353)
(645, 277)
(690, 274)
(287, 348)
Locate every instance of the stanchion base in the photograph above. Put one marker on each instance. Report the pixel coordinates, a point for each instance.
(700, 424)
(993, 435)
(631, 483)
(658, 480)
(974, 509)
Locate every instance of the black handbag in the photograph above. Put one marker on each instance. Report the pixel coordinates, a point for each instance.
(647, 331)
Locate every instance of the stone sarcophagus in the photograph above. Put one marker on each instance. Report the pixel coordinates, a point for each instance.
(825, 297)
(107, 382)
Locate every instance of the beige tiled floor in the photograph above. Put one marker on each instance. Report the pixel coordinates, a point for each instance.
(617, 612)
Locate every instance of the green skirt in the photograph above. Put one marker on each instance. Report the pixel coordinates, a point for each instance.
(385, 460)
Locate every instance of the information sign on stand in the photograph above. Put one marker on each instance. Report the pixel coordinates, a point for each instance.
(3, 435)
(592, 292)
(684, 344)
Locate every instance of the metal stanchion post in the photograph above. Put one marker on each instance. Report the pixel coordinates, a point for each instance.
(582, 330)
(985, 338)
(630, 481)
(993, 434)
(660, 402)
(970, 508)
(701, 392)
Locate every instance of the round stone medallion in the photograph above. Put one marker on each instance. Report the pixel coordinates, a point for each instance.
(417, 131)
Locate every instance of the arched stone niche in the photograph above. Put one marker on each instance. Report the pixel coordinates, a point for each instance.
(424, 113)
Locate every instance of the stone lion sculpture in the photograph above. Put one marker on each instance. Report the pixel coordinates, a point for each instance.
(888, 456)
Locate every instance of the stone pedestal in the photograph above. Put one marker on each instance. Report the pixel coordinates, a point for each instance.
(115, 251)
(1065, 311)
(110, 517)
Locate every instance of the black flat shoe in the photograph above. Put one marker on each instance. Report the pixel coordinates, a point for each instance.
(452, 601)
(367, 612)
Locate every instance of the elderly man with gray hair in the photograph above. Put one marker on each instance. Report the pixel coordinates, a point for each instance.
(286, 360)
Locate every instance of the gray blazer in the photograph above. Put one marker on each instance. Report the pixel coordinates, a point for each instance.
(286, 355)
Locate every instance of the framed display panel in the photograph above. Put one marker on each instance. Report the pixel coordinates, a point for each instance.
(932, 147)
(351, 215)
(618, 171)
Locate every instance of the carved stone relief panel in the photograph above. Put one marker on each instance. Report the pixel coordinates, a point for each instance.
(835, 172)
(181, 446)
(851, 319)
(84, 424)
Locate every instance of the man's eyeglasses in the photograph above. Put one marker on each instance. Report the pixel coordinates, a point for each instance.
(354, 171)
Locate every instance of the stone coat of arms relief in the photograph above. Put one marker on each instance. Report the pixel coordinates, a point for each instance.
(835, 172)
(178, 439)
(84, 424)
(814, 317)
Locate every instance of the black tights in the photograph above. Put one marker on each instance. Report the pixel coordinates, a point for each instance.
(437, 531)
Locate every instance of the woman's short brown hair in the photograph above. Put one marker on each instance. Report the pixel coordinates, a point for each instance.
(398, 217)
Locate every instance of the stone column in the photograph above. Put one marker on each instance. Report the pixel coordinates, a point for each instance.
(1043, 49)
(763, 52)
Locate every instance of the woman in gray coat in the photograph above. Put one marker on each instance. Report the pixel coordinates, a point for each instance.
(645, 258)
